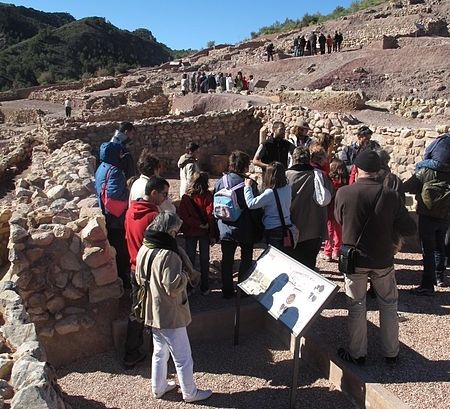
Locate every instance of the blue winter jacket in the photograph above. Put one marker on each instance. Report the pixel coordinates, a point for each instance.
(117, 184)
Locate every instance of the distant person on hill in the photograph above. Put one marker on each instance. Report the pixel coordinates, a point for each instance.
(329, 43)
(302, 45)
(68, 107)
(335, 41)
(251, 84)
(270, 50)
(184, 84)
(229, 82)
(239, 82)
(194, 82)
(221, 82)
(322, 42)
(212, 84)
(313, 41)
(340, 39)
(296, 46)
(200, 78)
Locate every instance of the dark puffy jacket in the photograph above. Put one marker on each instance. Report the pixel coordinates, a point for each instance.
(415, 183)
(248, 228)
(117, 184)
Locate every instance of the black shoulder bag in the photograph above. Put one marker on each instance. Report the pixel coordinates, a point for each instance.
(288, 238)
(348, 254)
(140, 307)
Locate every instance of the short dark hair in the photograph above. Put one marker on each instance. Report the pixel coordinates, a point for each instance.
(277, 124)
(275, 176)
(192, 147)
(365, 131)
(301, 156)
(147, 163)
(155, 183)
(126, 126)
(238, 162)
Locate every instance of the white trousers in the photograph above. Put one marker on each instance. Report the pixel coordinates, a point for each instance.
(175, 343)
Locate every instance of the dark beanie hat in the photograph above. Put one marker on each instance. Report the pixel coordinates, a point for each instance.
(369, 161)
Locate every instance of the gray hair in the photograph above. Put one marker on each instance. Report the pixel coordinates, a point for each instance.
(166, 222)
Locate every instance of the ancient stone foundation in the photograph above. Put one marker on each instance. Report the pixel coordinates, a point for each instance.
(61, 260)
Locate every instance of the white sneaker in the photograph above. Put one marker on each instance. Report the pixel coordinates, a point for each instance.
(200, 395)
(171, 385)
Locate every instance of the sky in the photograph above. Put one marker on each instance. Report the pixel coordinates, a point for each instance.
(182, 24)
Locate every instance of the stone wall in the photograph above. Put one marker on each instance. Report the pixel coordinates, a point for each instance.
(406, 146)
(217, 132)
(23, 117)
(154, 107)
(26, 379)
(61, 260)
(16, 153)
(420, 108)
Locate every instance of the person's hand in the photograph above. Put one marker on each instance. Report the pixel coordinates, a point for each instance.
(204, 226)
(248, 182)
(212, 241)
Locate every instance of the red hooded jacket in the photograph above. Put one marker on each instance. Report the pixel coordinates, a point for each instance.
(191, 218)
(137, 218)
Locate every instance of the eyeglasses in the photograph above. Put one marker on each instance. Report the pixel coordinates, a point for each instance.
(165, 194)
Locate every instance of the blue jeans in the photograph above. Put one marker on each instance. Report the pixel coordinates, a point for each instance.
(432, 239)
(191, 249)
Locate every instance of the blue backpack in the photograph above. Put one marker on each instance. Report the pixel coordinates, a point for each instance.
(225, 204)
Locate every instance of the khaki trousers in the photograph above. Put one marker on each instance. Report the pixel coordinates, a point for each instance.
(383, 281)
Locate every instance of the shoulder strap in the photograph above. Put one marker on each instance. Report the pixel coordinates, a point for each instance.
(280, 210)
(149, 267)
(370, 215)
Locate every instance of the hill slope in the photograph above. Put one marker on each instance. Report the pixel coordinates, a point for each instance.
(19, 23)
(71, 49)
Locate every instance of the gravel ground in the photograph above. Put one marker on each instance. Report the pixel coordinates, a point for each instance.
(257, 374)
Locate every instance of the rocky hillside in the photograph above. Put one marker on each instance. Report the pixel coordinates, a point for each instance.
(51, 47)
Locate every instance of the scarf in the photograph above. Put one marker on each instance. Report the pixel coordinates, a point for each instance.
(160, 240)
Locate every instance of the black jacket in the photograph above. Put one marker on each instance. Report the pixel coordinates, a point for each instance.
(354, 204)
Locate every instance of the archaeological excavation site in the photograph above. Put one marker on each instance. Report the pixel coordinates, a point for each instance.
(63, 306)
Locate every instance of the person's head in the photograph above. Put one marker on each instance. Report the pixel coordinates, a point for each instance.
(275, 176)
(301, 156)
(198, 184)
(128, 129)
(384, 158)
(238, 162)
(363, 135)
(192, 148)
(325, 141)
(338, 170)
(166, 222)
(156, 190)
(184, 75)
(251, 76)
(318, 155)
(148, 165)
(278, 129)
(303, 128)
(367, 163)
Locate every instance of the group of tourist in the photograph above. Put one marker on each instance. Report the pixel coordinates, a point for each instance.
(311, 197)
(200, 82)
(311, 44)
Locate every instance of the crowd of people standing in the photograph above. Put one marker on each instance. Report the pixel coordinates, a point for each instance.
(311, 198)
(201, 82)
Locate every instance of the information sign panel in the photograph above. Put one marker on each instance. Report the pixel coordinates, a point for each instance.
(291, 292)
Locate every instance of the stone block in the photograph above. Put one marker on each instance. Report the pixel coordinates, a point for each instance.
(95, 230)
(41, 238)
(105, 274)
(68, 325)
(62, 232)
(19, 334)
(6, 365)
(70, 262)
(17, 233)
(56, 304)
(95, 257)
(28, 372)
(6, 390)
(72, 293)
(98, 294)
(34, 254)
(56, 192)
(29, 350)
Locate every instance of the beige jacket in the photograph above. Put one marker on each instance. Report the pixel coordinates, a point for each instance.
(167, 301)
